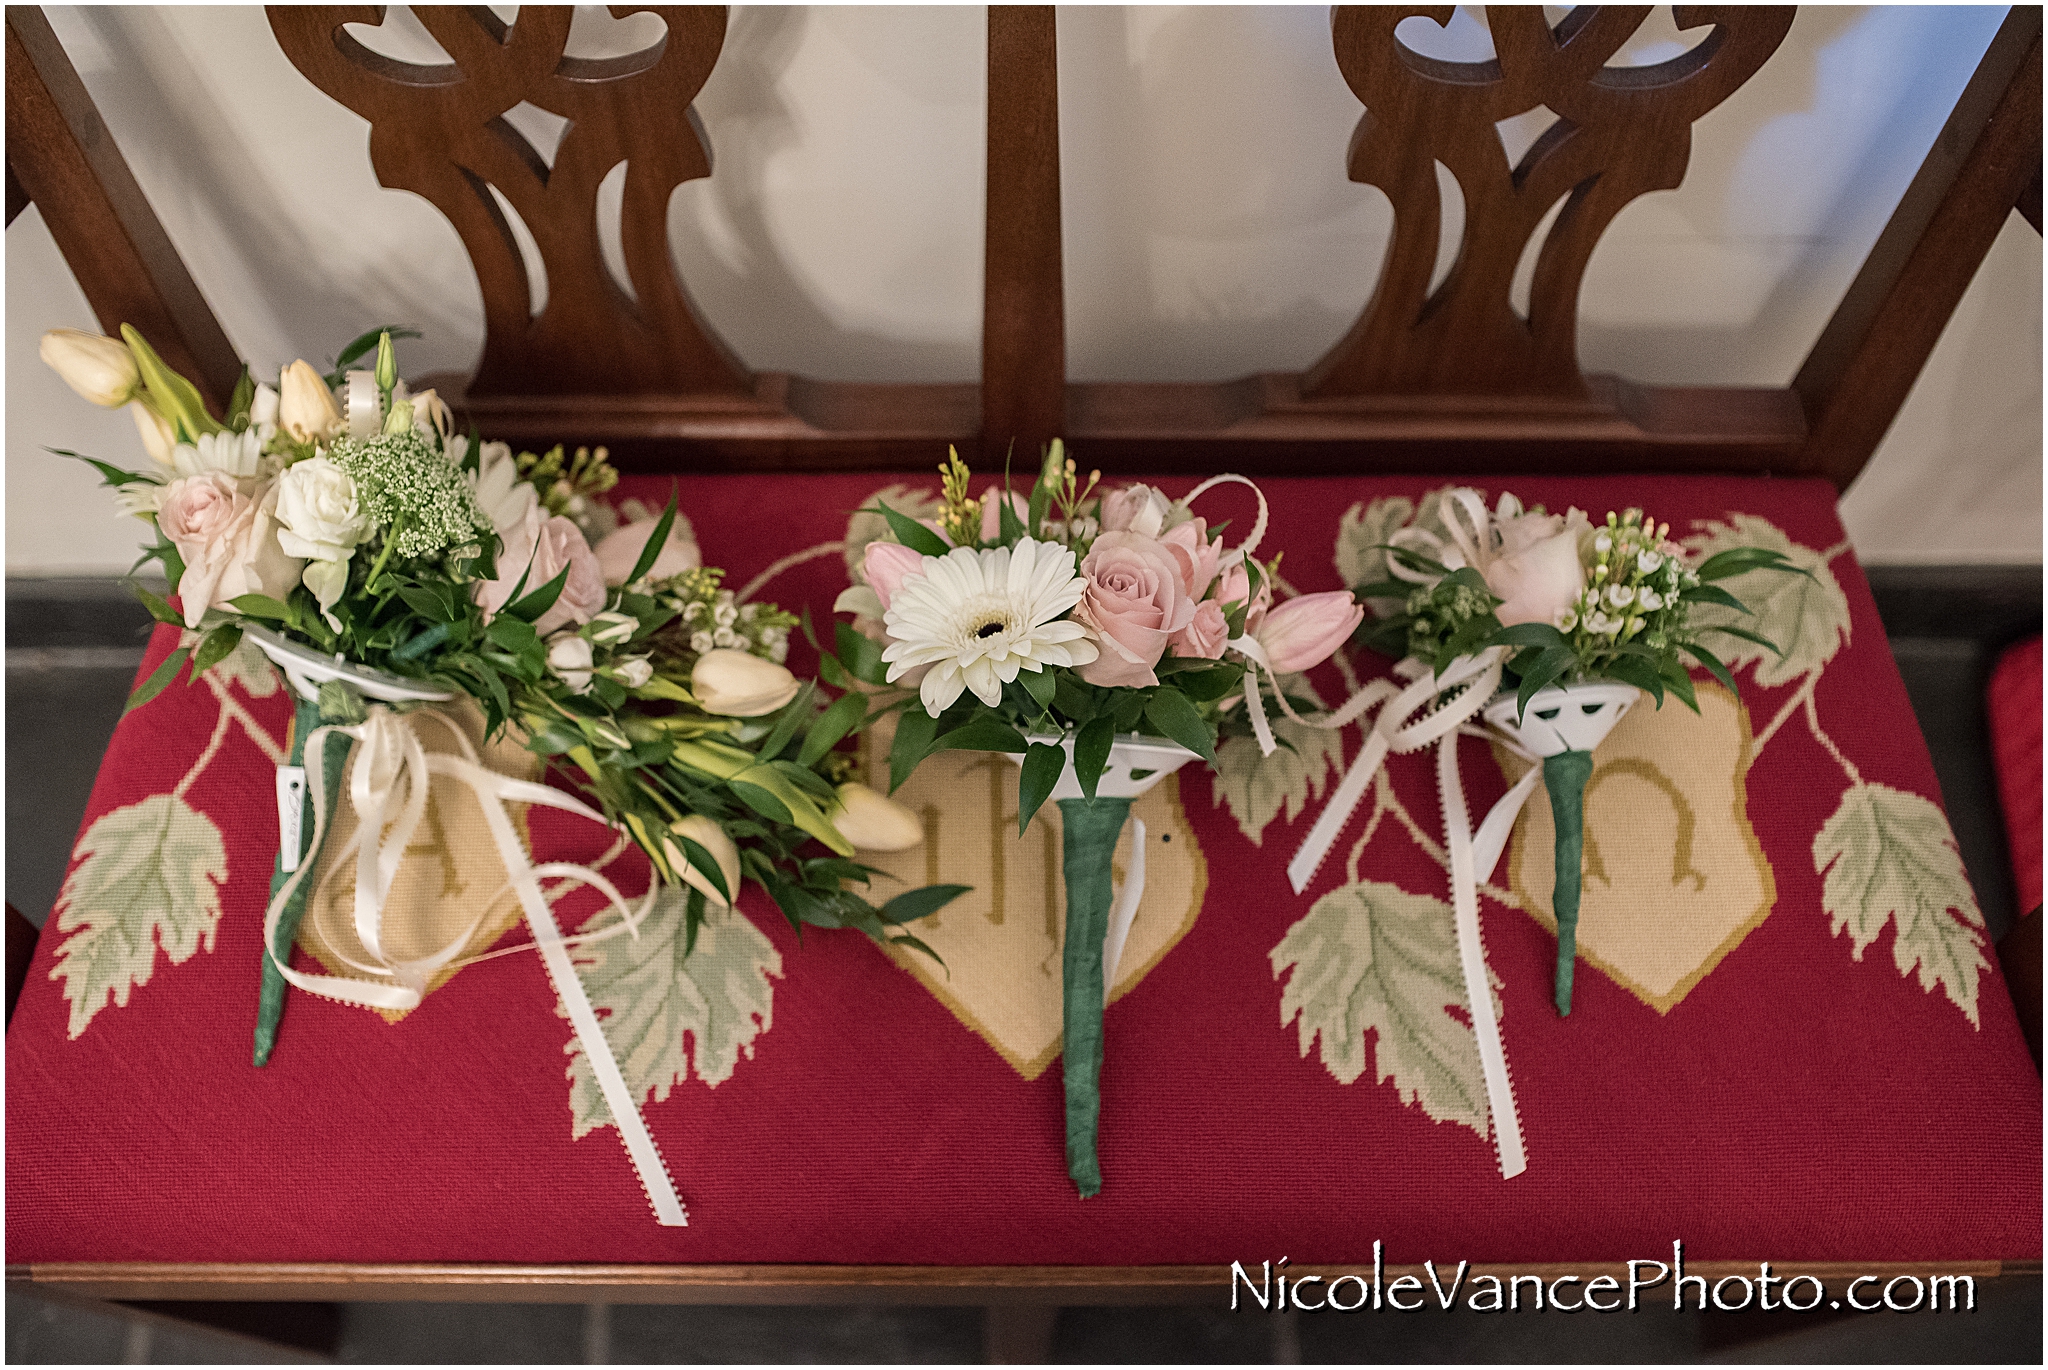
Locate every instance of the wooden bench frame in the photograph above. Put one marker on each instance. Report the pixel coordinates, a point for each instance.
(1985, 162)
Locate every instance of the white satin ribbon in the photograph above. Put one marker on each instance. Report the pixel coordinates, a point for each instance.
(365, 406)
(1125, 911)
(388, 787)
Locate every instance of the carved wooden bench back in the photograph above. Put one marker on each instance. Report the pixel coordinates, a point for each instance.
(1452, 378)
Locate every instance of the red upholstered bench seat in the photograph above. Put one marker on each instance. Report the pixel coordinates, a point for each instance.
(1789, 1039)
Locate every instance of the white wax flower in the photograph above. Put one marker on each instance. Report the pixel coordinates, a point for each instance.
(633, 672)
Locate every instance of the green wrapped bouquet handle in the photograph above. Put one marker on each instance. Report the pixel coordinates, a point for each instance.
(270, 999)
(1564, 776)
(1090, 830)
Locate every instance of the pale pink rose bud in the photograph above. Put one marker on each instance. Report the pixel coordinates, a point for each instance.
(1198, 556)
(618, 550)
(1303, 631)
(1136, 509)
(1205, 634)
(1232, 589)
(885, 564)
(228, 541)
(992, 513)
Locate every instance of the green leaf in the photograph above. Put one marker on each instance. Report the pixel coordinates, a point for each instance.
(1712, 594)
(159, 608)
(761, 801)
(1371, 962)
(163, 675)
(258, 606)
(148, 875)
(1550, 663)
(1674, 674)
(982, 733)
(213, 647)
(919, 903)
(1091, 752)
(1529, 635)
(706, 865)
(1169, 712)
(794, 715)
(239, 401)
(515, 635)
(915, 731)
(166, 392)
(669, 1008)
(861, 656)
(1208, 686)
(1072, 698)
(1639, 673)
(1889, 856)
(846, 714)
(428, 604)
(1040, 684)
(1747, 636)
(913, 534)
(1039, 775)
(363, 347)
(109, 474)
(1713, 664)
(656, 540)
(531, 607)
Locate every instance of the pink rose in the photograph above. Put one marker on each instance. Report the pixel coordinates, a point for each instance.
(1135, 601)
(1303, 631)
(538, 549)
(885, 564)
(1190, 543)
(1135, 509)
(1540, 581)
(1205, 634)
(1232, 589)
(228, 540)
(618, 550)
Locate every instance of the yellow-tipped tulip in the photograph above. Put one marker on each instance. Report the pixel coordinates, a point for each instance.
(305, 406)
(873, 821)
(708, 835)
(101, 370)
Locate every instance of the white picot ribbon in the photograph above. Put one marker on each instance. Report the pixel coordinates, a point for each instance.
(365, 405)
(388, 787)
(1433, 709)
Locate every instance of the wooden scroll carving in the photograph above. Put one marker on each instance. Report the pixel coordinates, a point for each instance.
(1621, 132)
(440, 131)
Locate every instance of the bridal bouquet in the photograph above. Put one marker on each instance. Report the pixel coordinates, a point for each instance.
(1103, 639)
(385, 562)
(1547, 626)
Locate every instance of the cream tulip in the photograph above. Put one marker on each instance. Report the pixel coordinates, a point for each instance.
(740, 685)
(157, 438)
(874, 822)
(305, 406)
(101, 370)
(708, 835)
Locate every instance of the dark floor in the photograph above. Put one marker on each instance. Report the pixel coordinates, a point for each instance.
(72, 649)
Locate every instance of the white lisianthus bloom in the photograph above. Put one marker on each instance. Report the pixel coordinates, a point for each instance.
(234, 454)
(632, 672)
(505, 499)
(977, 618)
(569, 657)
(328, 580)
(317, 506)
(263, 412)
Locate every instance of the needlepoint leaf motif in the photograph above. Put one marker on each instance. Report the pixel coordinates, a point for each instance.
(1807, 618)
(1889, 856)
(148, 875)
(1259, 788)
(1373, 958)
(652, 998)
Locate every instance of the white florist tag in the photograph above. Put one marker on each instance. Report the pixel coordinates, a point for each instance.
(291, 804)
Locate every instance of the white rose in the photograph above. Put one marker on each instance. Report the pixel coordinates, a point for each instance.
(633, 672)
(317, 508)
(1540, 582)
(569, 657)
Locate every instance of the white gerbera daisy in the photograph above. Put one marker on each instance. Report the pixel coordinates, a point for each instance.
(978, 618)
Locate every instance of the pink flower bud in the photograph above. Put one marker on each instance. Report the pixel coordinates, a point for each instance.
(886, 564)
(1303, 631)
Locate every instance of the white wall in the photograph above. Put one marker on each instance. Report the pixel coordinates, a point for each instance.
(1210, 230)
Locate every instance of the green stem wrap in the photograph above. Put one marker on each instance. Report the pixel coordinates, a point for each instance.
(270, 1000)
(1565, 776)
(1091, 829)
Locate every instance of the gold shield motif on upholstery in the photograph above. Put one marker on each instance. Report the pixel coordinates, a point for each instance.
(451, 865)
(1674, 875)
(1001, 940)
